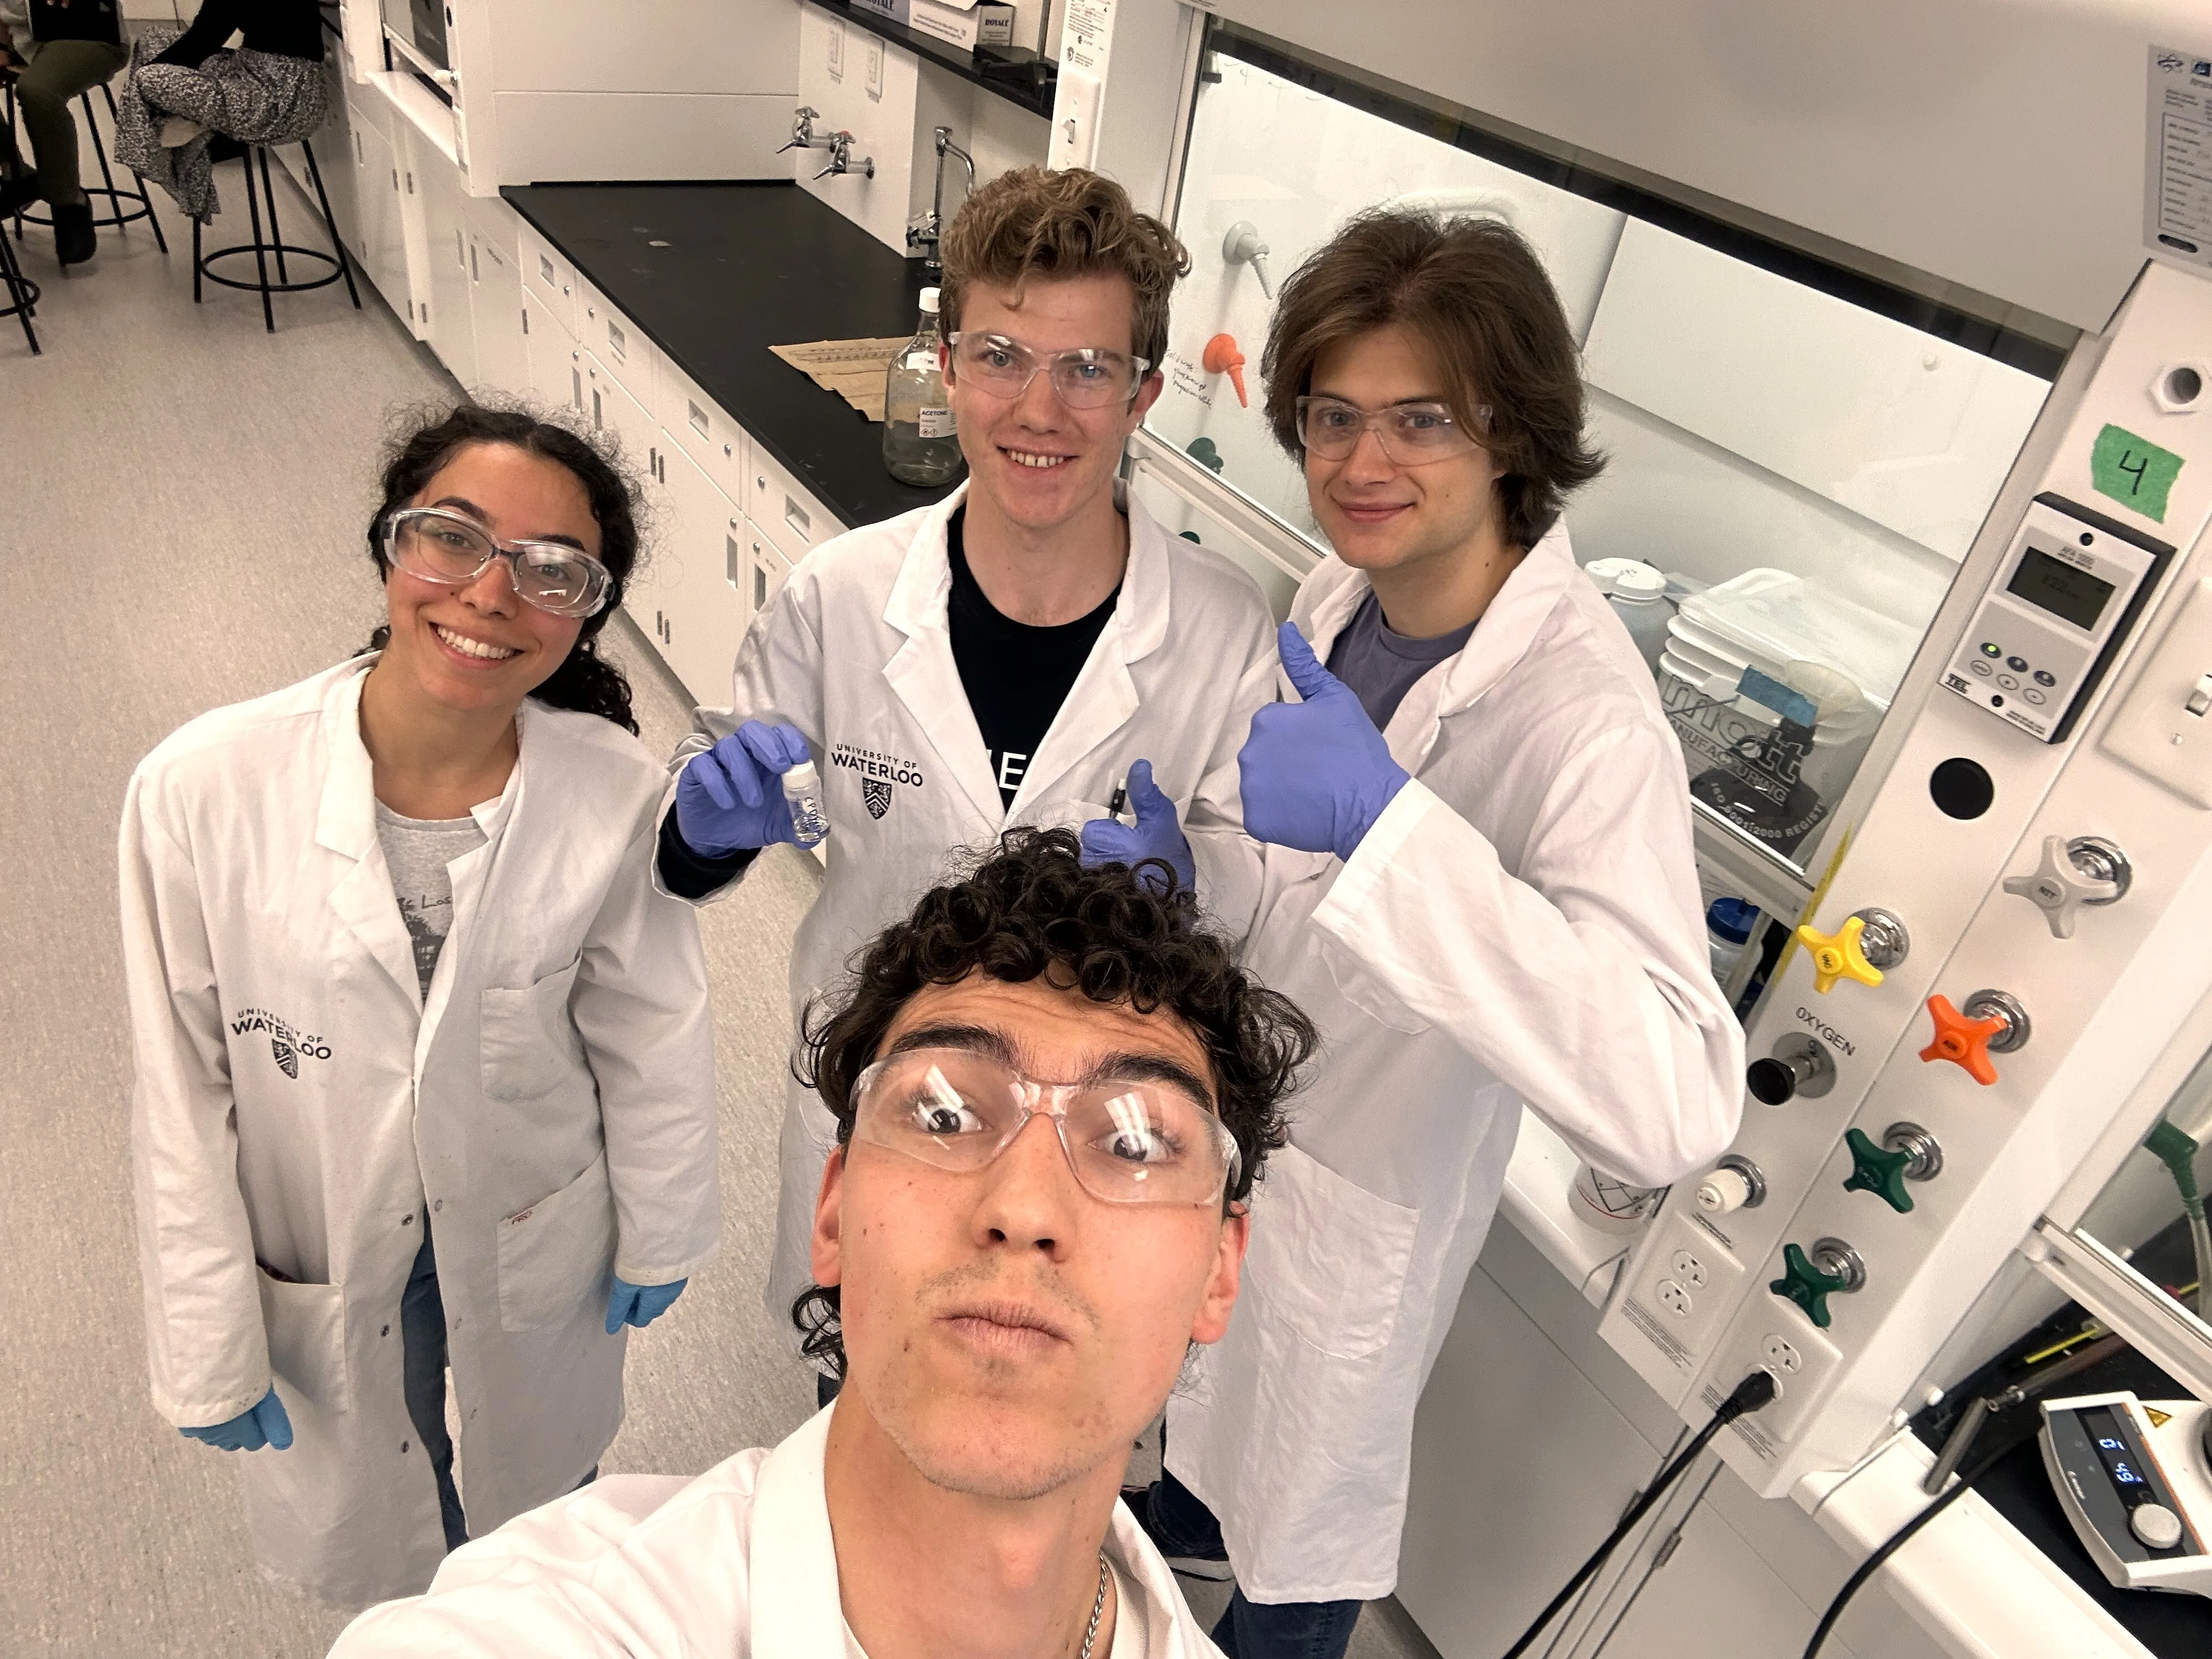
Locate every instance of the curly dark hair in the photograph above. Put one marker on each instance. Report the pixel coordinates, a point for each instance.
(428, 439)
(1119, 934)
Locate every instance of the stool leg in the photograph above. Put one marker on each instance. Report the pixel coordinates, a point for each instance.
(261, 249)
(269, 195)
(330, 221)
(19, 150)
(198, 264)
(19, 292)
(145, 197)
(100, 154)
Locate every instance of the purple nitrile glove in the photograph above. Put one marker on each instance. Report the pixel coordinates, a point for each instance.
(1316, 775)
(1156, 834)
(639, 1305)
(729, 798)
(267, 1423)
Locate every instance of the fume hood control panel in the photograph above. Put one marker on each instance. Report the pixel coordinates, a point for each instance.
(2069, 589)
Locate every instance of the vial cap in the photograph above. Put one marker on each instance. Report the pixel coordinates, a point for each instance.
(929, 301)
(802, 774)
(1731, 917)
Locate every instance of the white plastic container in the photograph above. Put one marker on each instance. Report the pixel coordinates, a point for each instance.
(802, 792)
(1637, 594)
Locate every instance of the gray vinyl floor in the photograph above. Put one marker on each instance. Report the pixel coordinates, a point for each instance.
(181, 527)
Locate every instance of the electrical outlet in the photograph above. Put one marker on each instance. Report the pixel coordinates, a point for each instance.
(1686, 1287)
(836, 50)
(871, 58)
(1803, 1360)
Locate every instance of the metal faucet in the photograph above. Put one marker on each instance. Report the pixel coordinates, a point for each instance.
(838, 144)
(931, 231)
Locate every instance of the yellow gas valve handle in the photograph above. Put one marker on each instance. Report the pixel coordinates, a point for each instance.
(1839, 955)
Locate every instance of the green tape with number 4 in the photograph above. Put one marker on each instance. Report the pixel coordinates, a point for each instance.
(2133, 470)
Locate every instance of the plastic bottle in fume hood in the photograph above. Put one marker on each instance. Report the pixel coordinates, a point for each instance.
(920, 444)
(1637, 594)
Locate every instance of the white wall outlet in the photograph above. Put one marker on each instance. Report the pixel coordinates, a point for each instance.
(871, 55)
(836, 51)
(1686, 1285)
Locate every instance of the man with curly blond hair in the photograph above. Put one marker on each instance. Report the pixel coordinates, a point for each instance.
(1007, 657)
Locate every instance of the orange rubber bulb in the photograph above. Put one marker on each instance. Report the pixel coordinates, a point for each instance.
(1963, 1041)
(1222, 357)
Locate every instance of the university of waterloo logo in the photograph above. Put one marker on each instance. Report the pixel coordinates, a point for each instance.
(288, 1045)
(878, 772)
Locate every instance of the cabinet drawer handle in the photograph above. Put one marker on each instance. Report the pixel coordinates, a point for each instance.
(698, 416)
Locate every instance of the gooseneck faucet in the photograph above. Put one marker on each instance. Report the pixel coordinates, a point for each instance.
(931, 231)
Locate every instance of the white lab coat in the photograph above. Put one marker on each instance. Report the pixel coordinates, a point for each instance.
(736, 1564)
(855, 653)
(1521, 924)
(297, 1102)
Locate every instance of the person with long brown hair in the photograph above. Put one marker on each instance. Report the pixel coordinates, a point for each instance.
(1479, 883)
(424, 1072)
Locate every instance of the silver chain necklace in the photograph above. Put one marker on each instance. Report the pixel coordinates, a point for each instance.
(1097, 1609)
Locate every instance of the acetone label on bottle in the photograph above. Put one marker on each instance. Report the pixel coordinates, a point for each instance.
(937, 423)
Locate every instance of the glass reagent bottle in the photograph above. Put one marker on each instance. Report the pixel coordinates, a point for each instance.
(802, 792)
(920, 446)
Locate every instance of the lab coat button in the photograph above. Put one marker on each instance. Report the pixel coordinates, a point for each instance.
(438, 1204)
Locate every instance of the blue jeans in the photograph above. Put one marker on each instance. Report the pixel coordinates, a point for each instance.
(422, 1332)
(1183, 1525)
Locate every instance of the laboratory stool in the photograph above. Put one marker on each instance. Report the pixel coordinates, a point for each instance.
(273, 246)
(22, 293)
(124, 207)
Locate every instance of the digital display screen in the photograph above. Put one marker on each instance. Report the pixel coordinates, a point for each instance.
(2064, 590)
(2103, 1432)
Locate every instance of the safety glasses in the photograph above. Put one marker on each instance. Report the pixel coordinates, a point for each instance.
(440, 546)
(1129, 1140)
(1084, 378)
(1411, 435)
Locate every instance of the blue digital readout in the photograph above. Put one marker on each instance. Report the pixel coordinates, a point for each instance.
(2113, 1450)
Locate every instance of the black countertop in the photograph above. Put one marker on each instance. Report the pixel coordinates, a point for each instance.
(748, 266)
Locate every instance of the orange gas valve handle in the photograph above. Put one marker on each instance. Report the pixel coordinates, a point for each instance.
(1839, 955)
(1963, 1041)
(1222, 357)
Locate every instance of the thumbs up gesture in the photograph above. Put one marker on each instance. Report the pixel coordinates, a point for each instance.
(1156, 833)
(1317, 774)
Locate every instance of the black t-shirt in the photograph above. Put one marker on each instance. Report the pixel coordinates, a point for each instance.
(1016, 676)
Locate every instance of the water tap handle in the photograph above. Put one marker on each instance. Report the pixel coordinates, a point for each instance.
(802, 129)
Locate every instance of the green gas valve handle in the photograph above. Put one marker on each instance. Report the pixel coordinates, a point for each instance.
(1907, 1153)
(1809, 1277)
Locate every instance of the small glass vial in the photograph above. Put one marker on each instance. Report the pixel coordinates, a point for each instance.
(802, 792)
(920, 446)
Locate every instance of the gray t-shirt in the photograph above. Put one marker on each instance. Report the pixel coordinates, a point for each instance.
(417, 851)
(1380, 666)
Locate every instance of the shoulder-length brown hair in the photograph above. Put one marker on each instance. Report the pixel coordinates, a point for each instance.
(1474, 292)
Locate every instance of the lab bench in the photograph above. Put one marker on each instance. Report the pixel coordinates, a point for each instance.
(650, 308)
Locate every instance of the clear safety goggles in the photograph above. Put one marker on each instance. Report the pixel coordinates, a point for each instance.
(440, 546)
(1129, 1141)
(1084, 378)
(1411, 435)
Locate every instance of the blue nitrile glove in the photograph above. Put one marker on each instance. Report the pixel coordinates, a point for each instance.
(1316, 774)
(729, 798)
(1155, 835)
(639, 1305)
(267, 1424)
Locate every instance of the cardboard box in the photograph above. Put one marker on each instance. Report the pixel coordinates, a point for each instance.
(897, 10)
(972, 24)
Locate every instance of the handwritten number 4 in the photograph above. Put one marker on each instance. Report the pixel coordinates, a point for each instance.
(2141, 465)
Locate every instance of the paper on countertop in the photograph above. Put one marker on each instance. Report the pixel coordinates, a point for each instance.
(854, 369)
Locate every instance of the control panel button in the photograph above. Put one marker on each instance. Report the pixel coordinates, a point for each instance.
(2158, 1527)
(2045, 676)
(2008, 683)
(1982, 668)
(2018, 665)
(1990, 650)
(2034, 695)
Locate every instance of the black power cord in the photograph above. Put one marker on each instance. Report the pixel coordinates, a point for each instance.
(1896, 1542)
(1754, 1393)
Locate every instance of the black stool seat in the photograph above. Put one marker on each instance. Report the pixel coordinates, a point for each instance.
(273, 247)
(140, 204)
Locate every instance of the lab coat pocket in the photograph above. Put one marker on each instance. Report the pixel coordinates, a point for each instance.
(1329, 1258)
(306, 1325)
(557, 1258)
(530, 1042)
